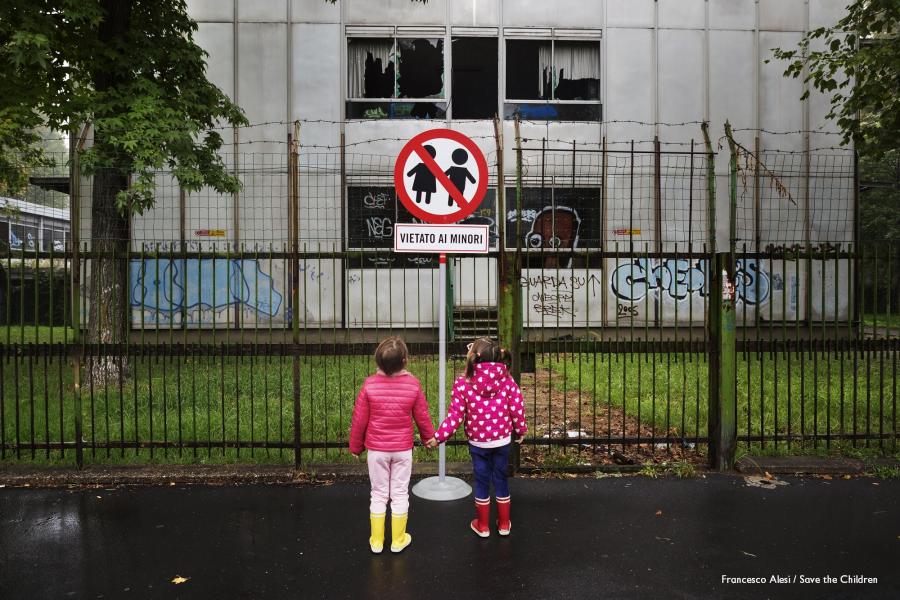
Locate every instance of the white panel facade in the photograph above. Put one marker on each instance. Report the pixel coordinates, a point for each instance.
(731, 14)
(475, 13)
(560, 13)
(689, 14)
(395, 12)
(265, 11)
(630, 13)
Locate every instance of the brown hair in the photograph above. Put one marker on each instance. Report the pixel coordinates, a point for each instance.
(391, 355)
(486, 350)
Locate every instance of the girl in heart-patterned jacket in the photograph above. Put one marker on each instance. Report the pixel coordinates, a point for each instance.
(488, 401)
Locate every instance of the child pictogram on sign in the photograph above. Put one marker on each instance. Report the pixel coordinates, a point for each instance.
(424, 181)
(438, 164)
(458, 175)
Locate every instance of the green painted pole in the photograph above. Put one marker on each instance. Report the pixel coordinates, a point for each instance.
(722, 348)
(506, 271)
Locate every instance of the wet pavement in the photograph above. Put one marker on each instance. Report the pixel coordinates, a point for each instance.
(627, 537)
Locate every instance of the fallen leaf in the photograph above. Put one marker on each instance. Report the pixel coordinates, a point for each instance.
(659, 513)
(99, 497)
(875, 483)
(179, 579)
(171, 483)
(827, 477)
(748, 554)
(846, 477)
(769, 475)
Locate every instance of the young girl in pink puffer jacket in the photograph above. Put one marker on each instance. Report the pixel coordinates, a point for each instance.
(382, 425)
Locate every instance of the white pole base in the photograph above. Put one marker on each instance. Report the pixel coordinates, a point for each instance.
(451, 488)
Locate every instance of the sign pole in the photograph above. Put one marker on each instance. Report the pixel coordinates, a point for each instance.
(442, 360)
(442, 487)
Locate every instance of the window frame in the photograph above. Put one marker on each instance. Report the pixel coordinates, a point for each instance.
(395, 37)
(553, 38)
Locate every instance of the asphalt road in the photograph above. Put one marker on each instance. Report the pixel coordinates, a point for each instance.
(627, 537)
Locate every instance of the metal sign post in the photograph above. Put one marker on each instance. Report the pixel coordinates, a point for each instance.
(442, 487)
(431, 177)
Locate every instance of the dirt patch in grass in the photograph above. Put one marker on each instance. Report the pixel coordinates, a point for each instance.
(595, 432)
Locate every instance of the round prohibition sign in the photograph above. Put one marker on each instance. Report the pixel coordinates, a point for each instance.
(432, 210)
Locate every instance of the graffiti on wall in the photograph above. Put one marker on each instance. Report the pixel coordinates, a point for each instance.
(159, 285)
(573, 296)
(680, 278)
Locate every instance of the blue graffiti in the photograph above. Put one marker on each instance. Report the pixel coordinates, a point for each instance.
(158, 284)
(680, 278)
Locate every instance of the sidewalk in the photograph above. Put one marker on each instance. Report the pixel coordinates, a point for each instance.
(616, 537)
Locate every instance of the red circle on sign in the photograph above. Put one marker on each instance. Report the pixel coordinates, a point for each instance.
(467, 207)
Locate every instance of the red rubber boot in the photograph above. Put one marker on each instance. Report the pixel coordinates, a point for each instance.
(480, 524)
(503, 522)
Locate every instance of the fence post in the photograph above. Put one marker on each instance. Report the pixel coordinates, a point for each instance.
(294, 229)
(721, 343)
(75, 287)
(507, 284)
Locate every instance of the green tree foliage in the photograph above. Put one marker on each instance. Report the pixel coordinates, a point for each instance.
(131, 69)
(856, 62)
(128, 67)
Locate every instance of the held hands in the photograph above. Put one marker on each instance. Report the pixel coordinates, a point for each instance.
(431, 444)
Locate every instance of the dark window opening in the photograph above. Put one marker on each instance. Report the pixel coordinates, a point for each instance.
(421, 72)
(528, 69)
(474, 78)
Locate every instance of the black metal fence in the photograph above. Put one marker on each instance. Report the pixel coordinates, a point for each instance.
(255, 351)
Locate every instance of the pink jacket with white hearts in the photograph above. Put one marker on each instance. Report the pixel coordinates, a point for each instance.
(490, 404)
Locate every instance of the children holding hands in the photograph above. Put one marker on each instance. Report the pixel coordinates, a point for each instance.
(485, 399)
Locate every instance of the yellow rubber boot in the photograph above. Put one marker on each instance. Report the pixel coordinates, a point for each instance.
(400, 539)
(376, 540)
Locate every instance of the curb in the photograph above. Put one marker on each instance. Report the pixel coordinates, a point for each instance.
(809, 465)
(213, 475)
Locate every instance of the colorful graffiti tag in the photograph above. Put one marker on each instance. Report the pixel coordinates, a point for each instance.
(206, 284)
(679, 278)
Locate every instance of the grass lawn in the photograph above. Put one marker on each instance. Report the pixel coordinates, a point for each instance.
(31, 334)
(891, 321)
(785, 393)
(195, 398)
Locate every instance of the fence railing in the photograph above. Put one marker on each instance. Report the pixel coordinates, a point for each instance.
(614, 359)
(255, 350)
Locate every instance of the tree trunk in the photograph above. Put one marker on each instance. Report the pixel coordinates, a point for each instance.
(107, 290)
(108, 276)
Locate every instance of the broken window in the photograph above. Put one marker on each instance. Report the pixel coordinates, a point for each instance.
(528, 69)
(381, 71)
(474, 77)
(421, 73)
(577, 71)
(549, 79)
(371, 67)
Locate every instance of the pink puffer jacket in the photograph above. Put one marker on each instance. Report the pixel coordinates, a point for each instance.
(381, 416)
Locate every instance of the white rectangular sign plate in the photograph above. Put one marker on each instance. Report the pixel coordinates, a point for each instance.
(449, 239)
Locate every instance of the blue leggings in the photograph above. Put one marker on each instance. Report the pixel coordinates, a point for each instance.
(490, 464)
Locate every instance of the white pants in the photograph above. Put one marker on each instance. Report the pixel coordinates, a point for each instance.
(389, 474)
